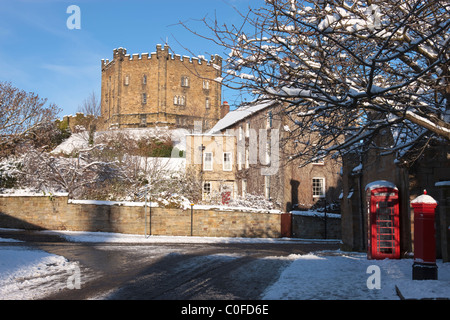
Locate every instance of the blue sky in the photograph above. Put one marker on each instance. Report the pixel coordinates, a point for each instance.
(39, 53)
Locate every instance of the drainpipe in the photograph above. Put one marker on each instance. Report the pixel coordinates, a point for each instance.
(361, 208)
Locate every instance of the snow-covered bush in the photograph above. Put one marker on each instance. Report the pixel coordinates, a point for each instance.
(10, 172)
(249, 201)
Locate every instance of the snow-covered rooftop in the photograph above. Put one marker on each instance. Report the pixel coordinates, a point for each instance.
(239, 114)
(380, 184)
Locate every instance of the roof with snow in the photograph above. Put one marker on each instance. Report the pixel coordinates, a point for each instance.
(240, 114)
(380, 184)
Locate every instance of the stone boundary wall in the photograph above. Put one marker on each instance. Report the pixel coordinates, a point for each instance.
(58, 213)
(307, 225)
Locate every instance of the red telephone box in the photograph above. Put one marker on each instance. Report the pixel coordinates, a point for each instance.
(383, 217)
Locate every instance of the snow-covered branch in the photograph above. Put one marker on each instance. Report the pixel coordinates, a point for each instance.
(346, 71)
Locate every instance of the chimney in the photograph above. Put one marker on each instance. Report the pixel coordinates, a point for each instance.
(224, 109)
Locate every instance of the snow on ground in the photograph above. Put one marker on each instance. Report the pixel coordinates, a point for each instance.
(345, 276)
(75, 142)
(30, 274)
(27, 274)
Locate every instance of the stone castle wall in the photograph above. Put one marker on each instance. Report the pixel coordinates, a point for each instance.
(142, 90)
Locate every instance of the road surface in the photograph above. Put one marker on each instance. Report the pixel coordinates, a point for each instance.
(170, 271)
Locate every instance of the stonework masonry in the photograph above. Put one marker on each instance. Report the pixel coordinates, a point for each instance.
(58, 213)
(143, 90)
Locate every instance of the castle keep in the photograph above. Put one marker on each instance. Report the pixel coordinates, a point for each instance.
(160, 89)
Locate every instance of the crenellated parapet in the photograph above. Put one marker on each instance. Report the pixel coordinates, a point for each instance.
(139, 90)
(120, 54)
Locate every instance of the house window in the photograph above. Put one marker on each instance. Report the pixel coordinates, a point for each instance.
(244, 188)
(267, 187)
(144, 79)
(144, 98)
(318, 186)
(127, 80)
(206, 84)
(185, 81)
(247, 129)
(206, 191)
(247, 162)
(227, 164)
(239, 160)
(269, 120)
(207, 106)
(207, 161)
(318, 162)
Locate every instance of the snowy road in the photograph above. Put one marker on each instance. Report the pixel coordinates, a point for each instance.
(112, 266)
(132, 267)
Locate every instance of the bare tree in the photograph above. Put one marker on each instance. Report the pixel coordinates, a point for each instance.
(346, 71)
(45, 172)
(91, 109)
(91, 105)
(22, 113)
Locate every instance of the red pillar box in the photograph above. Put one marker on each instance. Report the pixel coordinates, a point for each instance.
(424, 267)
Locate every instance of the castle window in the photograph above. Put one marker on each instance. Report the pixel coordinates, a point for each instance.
(206, 84)
(144, 79)
(179, 100)
(207, 103)
(144, 98)
(185, 81)
(127, 80)
(143, 120)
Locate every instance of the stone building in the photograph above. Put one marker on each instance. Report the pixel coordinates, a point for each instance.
(212, 157)
(160, 88)
(260, 164)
